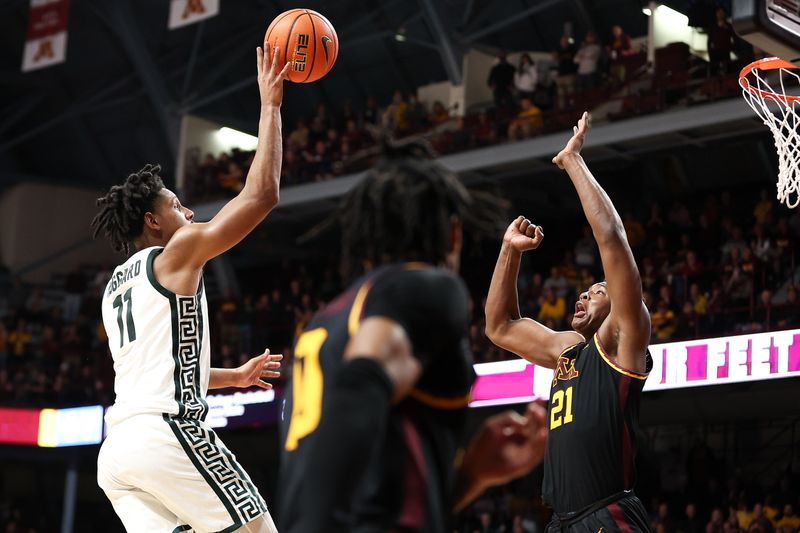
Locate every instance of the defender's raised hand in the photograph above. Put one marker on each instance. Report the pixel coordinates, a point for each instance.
(575, 143)
(522, 235)
(270, 80)
(508, 446)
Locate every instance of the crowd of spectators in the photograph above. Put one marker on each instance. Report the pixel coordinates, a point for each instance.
(529, 98)
(705, 272)
(53, 351)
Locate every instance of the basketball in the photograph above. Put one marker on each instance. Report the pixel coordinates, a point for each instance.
(308, 40)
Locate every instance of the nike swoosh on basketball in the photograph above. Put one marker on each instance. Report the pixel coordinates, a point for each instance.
(325, 41)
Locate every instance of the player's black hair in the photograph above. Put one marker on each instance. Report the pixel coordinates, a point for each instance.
(122, 209)
(403, 210)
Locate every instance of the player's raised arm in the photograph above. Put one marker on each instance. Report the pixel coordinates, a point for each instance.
(197, 243)
(628, 327)
(504, 325)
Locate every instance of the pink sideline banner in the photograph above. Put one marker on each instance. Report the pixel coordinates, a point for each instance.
(46, 41)
(676, 365)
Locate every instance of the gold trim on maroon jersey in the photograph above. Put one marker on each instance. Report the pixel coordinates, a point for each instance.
(441, 402)
(354, 318)
(613, 364)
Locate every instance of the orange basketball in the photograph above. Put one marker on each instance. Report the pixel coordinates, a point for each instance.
(307, 40)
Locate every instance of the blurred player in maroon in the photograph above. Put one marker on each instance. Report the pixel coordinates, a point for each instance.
(382, 376)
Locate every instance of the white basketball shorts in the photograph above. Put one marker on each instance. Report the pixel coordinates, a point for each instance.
(174, 474)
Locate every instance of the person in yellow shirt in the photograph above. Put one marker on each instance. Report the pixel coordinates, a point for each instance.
(298, 139)
(763, 210)
(770, 510)
(698, 298)
(663, 321)
(396, 118)
(744, 516)
(439, 114)
(789, 519)
(19, 339)
(552, 307)
(528, 121)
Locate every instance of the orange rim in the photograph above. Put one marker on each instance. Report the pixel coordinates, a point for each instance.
(768, 63)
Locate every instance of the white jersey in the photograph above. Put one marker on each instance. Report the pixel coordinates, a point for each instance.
(159, 341)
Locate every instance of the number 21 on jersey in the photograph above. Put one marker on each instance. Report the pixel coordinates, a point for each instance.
(561, 401)
(306, 386)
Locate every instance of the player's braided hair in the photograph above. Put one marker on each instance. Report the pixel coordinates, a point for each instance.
(404, 209)
(122, 209)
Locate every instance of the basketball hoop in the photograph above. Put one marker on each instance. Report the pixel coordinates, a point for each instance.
(765, 84)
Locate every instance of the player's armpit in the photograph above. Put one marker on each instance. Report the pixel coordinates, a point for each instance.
(627, 330)
(627, 340)
(533, 341)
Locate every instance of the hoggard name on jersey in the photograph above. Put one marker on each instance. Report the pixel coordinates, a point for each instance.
(122, 275)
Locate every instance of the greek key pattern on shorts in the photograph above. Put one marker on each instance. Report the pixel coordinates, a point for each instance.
(221, 471)
(188, 342)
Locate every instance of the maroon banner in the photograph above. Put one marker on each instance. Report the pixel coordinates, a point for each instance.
(46, 42)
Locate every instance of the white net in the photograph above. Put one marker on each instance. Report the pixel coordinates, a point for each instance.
(765, 90)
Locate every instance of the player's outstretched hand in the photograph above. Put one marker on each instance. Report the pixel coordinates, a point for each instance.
(256, 369)
(508, 446)
(575, 143)
(522, 235)
(270, 80)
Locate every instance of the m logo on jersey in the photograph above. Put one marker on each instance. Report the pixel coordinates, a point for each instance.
(565, 370)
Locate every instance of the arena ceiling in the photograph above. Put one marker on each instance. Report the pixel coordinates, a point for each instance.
(114, 104)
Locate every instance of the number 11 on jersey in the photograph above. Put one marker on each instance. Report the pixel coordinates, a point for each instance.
(128, 318)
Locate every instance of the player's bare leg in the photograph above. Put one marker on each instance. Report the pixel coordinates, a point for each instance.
(262, 524)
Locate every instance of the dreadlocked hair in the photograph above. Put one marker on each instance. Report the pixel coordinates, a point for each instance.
(403, 210)
(122, 209)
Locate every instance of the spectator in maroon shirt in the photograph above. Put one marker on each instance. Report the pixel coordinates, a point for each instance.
(74, 287)
(720, 43)
(347, 113)
(788, 314)
(687, 322)
(372, 113)
(663, 519)
(715, 524)
(485, 130)
(619, 49)
(352, 135)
